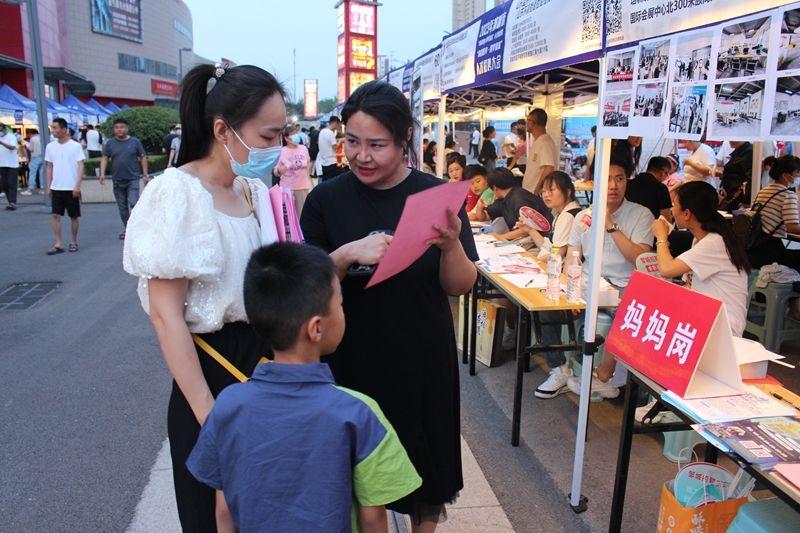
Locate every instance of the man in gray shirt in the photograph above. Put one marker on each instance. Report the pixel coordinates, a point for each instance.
(129, 162)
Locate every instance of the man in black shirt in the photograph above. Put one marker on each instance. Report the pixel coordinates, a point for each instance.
(509, 197)
(736, 175)
(648, 189)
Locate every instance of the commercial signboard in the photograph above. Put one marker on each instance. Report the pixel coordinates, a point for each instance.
(357, 45)
(117, 18)
(310, 97)
(164, 87)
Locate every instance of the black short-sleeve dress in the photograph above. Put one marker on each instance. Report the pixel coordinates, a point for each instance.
(399, 345)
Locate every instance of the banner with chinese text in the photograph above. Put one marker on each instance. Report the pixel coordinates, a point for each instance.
(677, 337)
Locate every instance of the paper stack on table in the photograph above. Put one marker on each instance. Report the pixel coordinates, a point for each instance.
(488, 249)
(510, 264)
(752, 404)
(791, 472)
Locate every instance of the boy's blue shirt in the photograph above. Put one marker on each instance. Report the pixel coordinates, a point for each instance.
(294, 452)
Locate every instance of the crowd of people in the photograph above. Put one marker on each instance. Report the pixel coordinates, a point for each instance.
(347, 421)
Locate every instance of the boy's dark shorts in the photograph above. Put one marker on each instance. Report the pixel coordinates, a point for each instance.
(64, 201)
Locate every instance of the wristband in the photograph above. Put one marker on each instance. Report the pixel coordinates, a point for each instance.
(661, 242)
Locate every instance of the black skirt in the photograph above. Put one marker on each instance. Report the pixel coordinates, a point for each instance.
(238, 343)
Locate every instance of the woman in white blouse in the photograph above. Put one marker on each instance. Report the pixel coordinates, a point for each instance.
(189, 240)
(716, 265)
(558, 194)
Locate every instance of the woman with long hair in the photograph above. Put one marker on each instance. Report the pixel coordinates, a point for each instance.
(716, 264)
(488, 155)
(399, 347)
(188, 241)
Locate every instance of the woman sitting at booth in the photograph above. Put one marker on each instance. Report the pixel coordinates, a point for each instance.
(716, 265)
(558, 194)
(779, 215)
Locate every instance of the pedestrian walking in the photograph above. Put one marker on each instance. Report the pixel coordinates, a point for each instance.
(94, 142)
(328, 143)
(64, 170)
(35, 160)
(174, 149)
(129, 163)
(294, 168)
(188, 241)
(474, 142)
(9, 166)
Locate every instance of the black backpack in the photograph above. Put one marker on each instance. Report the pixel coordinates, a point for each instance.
(749, 228)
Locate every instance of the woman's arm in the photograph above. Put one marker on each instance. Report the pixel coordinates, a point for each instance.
(367, 251)
(456, 272)
(703, 169)
(167, 304)
(479, 212)
(667, 266)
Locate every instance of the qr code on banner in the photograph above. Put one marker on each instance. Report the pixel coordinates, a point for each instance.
(592, 21)
(613, 17)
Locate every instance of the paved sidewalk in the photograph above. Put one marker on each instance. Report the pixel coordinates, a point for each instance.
(477, 508)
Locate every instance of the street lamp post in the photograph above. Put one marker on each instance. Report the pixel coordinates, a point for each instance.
(180, 62)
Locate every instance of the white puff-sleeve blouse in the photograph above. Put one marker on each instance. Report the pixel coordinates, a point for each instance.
(175, 232)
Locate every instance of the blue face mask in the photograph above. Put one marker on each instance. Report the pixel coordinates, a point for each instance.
(260, 161)
(297, 139)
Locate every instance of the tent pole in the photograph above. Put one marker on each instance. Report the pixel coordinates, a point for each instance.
(440, 137)
(38, 83)
(755, 182)
(602, 156)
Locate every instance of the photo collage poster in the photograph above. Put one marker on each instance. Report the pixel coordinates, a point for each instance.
(618, 99)
(740, 81)
(784, 71)
(691, 60)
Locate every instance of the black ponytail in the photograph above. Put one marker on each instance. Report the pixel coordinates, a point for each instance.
(236, 96)
(702, 201)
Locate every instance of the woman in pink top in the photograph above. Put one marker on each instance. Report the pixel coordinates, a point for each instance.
(294, 167)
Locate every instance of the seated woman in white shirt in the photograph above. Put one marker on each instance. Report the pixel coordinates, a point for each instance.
(558, 194)
(716, 265)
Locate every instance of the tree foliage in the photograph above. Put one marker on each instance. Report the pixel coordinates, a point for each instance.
(148, 124)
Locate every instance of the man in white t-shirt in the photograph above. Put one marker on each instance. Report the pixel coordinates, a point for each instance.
(510, 141)
(475, 142)
(327, 149)
(543, 155)
(9, 165)
(700, 165)
(64, 158)
(94, 142)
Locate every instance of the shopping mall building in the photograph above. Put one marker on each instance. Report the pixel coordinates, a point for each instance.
(125, 51)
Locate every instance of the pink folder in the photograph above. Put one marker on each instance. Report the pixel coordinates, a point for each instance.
(422, 212)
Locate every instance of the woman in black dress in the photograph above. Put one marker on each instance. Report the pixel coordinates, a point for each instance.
(399, 346)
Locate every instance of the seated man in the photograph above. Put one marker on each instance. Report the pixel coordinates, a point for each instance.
(648, 188)
(629, 233)
(509, 197)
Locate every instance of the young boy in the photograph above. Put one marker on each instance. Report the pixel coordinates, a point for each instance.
(288, 450)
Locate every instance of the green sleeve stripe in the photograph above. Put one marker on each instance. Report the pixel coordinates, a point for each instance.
(386, 474)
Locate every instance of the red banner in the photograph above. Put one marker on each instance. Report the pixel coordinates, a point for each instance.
(661, 330)
(164, 87)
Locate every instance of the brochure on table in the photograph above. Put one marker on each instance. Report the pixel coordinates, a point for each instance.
(679, 338)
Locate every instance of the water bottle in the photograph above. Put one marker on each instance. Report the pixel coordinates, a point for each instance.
(574, 278)
(553, 274)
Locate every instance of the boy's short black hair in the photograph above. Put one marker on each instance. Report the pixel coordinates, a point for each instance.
(658, 163)
(502, 178)
(285, 284)
(624, 164)
(470, 171)
(61, 122)
(120, 120)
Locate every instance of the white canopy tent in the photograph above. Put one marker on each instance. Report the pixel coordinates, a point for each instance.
(489, 65)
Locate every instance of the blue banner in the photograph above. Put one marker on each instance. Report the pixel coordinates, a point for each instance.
(491, 44)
